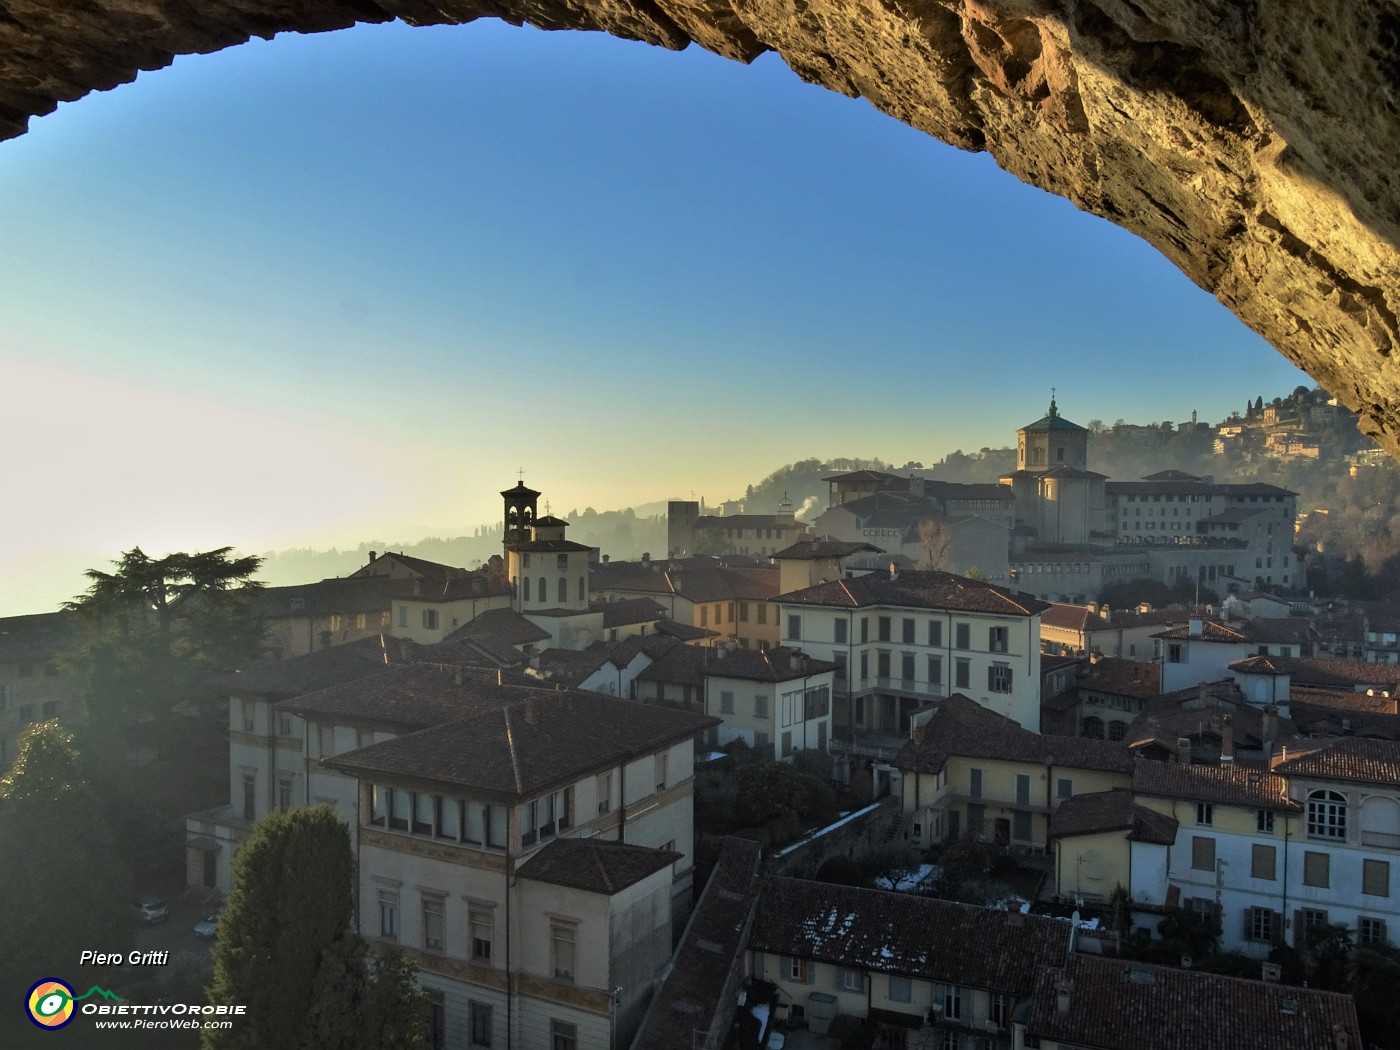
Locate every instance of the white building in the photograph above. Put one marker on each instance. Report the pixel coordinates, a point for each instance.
(1344, 855)
(529, 850)
(901, 639)
(779, 698)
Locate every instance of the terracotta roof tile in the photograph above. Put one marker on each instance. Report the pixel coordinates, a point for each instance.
(596, 865)
(1121, 1005)
(1115, 810)
(1224, 784)
(918, 589)
(1355, 759)
(506, 624)
(903, 934)
(824, 547)
(697, 993)
(774, 665)
(511, 741)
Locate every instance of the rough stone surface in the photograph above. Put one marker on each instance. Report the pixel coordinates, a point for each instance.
(1254, 142)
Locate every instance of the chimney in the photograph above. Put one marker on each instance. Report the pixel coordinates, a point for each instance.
(1340, 1039)
(1063, 986)
(372, 556)
(606, 557)
(894, 574)
(1194, 627)
(1106, 613)
(1095, 655)
(1227, 740)
(646, 558)
(1183, 750)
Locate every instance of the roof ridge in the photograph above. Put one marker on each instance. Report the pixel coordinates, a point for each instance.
(602, 868)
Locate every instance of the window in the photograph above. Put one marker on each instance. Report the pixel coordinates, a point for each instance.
(479, 1020)
(1327, 815)
(437, 1019)
(1375, 878)
(796, 970)
(49, 709)
(1205, 813)
(999, 678)
(935, 632)
(704, 616)
(1314, 918)
(935, 670)
(563, 1035)
(284, 724)
(952, 1002)
(604, 792)
(852, 980)
(434, 922)
(525, 560)
(1370, 932)
(1317, 869)
(1260, 924)
(794, 630)
(974, 783)
(962, 673)
(996, 639)
(447, 820)
(481, 924)
(900, 991)
(403, 615)
(726, 702)
(250, 794)
(882, 663)
(661, 771)
(562, 563)
(962, 635)
(1117, 729)
(563, 938)
(544, 590)
(882, 624)
(1264, 822)
(1261, 862)
(284, 792)
(906, 666)
(359, 621)
(839, 632)
(743, 612)
(4, 697)
(996, 1010)
(249, 709)
(762, 613)
(1064, 788)
(422, 813)
(388, 913)
(908, 631)
(1174, 653)
(1202, 853)
(563, 588)
(760, 705)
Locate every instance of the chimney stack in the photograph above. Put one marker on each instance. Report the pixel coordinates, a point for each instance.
(372, 556)
(1269, 730)
(1227, 740)
(1063, 986)
(1183, 750)
(1194, 627)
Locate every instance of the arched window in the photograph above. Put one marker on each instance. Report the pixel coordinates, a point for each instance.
(544, 590)
(1380, 822)
(1117, 730)
(1092, 727)
(563, 589)
(1327, 815)
(526, 595)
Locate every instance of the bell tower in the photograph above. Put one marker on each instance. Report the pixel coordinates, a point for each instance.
(520, 510)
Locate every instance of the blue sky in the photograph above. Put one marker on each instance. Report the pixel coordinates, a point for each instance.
(327, 288)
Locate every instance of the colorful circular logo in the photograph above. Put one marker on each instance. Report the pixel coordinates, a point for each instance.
(50, 1003)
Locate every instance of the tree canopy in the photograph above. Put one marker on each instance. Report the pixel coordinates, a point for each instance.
(60, 888)
(156, 627)
(285, 951)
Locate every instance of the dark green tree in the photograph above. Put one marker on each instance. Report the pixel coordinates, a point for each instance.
(361, 1000)
(60, 890)
(290, 902)
(769, 791)
(156, 628)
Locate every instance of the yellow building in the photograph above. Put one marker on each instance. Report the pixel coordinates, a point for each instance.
(968, 774)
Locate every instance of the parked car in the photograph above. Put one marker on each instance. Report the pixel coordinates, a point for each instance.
(151, 909)
(207, 926)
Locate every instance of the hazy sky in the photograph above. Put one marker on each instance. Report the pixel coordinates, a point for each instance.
(329, 288)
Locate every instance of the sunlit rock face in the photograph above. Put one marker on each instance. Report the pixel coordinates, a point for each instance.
(1254, 142)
